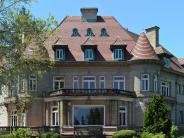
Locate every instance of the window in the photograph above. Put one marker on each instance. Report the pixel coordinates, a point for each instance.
(104, 32)
(89, 32)
(23, 85)
(14, 120)
(89, 83)
(88, 54)
(119, 82)
(178, 88)
(102, 82)
(55, 116)
(89, 115)
(145, 82)
(155, 83)
(118, 54)
(122, 116)
(181, 121)
(75, 33)
(75, 82)
(165, 88)
(32, 83)
(58, 83)
(167, 62)
(59, 54)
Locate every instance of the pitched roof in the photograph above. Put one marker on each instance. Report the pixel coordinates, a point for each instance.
(118, 42)
(89, 41)
(160, 50)
(60, 42)
(181, 61)
(143, 49)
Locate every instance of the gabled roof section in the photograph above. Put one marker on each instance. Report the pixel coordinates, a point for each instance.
(118, 42)
(143, 49)
(160, 50)
(89, 42)
(60, 42)
(181, 61)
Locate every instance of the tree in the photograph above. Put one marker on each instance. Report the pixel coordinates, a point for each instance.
(156, 117)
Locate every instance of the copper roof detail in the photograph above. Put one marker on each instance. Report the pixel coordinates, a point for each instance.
(143, 49)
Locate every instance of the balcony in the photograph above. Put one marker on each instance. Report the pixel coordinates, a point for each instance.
(92, 92)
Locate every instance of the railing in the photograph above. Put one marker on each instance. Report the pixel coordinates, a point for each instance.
(92, 92)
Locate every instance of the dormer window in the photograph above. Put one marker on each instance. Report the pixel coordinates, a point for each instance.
(104, 32)
(59, 54)
(88, 54)
(75, 33)
(89, 32)
(167, 62)
(118, 54)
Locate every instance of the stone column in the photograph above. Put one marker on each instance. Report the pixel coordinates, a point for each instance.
(60, 113)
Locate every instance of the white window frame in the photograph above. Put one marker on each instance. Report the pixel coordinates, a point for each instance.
(14, 118)
(90, 80)
(144, 83)
(126, 116)
(54, 80)
(76, 80)
(57, 57)
(87, 106)
(166, 86)
(123, 80)
(34, 82)
(87, 52)
(117, 51)
(102, 81)
(155, 83)
(54, 112)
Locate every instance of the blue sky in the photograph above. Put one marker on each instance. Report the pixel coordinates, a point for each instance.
(136, 15)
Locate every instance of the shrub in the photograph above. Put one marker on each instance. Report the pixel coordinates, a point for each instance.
(124, 134)
(6, 136)
(173, 132)
(50, 135)
(150, 135)
(22, 133)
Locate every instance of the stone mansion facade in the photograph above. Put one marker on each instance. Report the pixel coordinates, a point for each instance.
(104, 75)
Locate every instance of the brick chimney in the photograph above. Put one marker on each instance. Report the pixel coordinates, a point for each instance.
(153, 35)
(89, 14)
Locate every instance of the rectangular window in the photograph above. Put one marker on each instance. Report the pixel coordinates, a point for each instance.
(122, 116)
(32, 83)
(58, 83)
(55, 116)
(89, 83)
(75, 82)
(178, 87)
(118, 54)
(88, 54)
(181, 121)
(145, 82)
(88, 115)
(14, 118)
(59, 54)
(155, 85)
(119, 82)
(102, 82)
(165, 88)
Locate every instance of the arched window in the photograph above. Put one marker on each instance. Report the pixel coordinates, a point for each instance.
(75, 32)
(89, 32)
(104, 32)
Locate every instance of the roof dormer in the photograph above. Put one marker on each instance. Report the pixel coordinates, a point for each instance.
(89, 14)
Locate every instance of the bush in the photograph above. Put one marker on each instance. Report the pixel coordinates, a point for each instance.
(150, 135)
(6, 136)
(50, 135)
(124, 134)
(22, 133)
(173, 132)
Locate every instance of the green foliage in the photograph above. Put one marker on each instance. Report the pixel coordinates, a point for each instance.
(6, 136)
(22, 133)
(151, 135)
(50, 135)
(156, 118)
(173, 132)
(124, 134)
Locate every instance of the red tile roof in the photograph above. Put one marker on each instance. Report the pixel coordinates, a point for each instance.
(143, 49)
(160, 50)
(181, 61)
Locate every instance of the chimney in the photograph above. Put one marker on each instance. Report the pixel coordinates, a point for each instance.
(89, 14)
(153, 35)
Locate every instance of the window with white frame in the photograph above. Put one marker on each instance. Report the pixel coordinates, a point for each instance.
(88, 54)
(165, 88)
(122, 116)
(145, 82)
(55, 116)
(102, 82)
(155, 83)
(59, 54)
(75, 82)
(119, 82)
(14, 119)
(181, 119)
(118, 54)
(32, 83)
(58, 83)
(89, 82)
